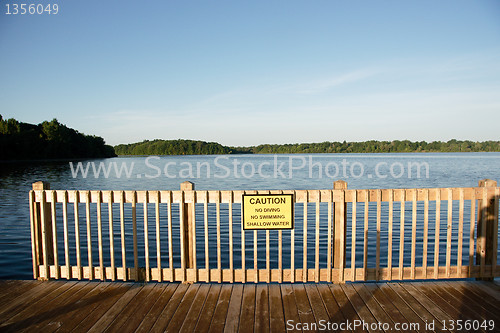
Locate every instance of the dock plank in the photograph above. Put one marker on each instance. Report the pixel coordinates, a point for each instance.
(247, 314)
(207, 312)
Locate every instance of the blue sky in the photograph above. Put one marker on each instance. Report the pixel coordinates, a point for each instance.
(252, 72)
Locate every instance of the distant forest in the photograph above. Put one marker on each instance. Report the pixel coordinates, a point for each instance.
(48, 140)
(190, 147)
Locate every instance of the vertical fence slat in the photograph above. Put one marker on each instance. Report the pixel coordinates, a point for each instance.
(365, 237)
(77, 237)
(45, 249)
(484, 213)
(146, 236)
(231, 256)
(353, 237)
(182, 224)
(377, 255)
(413, 231)
(170, 238)
(99, 235)
(134, 230)
(448, 233)
(268, 264)
(437, 235)
(316, 254)
(389, 233)
(402, 234)
(495, 236)
(280, 256)
(426, 232)
(472, 230)
(329, 250)
(34, 234)
(255, 266)
(122, 235)
(304, 238)
(65, 232)
(205, 218)
(54, 234)
(292, 249)
(111, 236)
(193, 238)
(460, 231)
(89, 235)
(219, 267)
(158, 238)
(342, 236)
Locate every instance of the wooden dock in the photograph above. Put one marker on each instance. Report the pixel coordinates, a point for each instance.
(80, 306)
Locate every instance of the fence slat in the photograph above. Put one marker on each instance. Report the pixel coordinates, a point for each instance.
(231, 256)
(89, 235)
(365, 236)
(219, 267)
(342, 236)
(54, 234)
(316, 254)
(182, 217)
(99, 236)
(413, 232)
(304, 240)
(111, 237)
(158, 237)
(426, 232)
(472, 230)
(268, 264)
(66, 238)
(292, 248)
(205, 219)
(77, 236)
(134, 229)
(495, 236)
(484, 210)
(170, 238)
(436, 235)
(460, 230)
(402, 234)
(353, 238)
(122, 235)
(34, 234)
(389, 232)
(448, 233)
(377, 255)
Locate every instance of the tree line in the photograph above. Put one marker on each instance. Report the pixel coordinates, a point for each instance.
(47, 140)
(190, 147)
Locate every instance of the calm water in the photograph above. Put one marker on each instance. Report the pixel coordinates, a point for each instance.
(234, 172)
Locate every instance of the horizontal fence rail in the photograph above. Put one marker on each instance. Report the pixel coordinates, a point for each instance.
(339, 235)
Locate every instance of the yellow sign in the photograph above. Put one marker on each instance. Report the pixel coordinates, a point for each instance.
(267, 211)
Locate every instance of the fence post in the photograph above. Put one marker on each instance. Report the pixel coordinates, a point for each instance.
(187, 220)
(339, 230)
(487, 229)
(43, 233)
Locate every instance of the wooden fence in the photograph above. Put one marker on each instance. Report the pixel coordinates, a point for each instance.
(340, 235)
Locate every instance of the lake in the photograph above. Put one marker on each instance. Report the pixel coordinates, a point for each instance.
(227, 172)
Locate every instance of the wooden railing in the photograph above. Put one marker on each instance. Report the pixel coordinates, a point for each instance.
(339, 235)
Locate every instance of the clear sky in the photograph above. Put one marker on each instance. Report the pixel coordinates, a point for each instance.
(252, 72)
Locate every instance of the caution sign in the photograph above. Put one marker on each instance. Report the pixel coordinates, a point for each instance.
(267, 211)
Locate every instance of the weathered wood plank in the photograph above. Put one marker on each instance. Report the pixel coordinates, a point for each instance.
(220, 313)
(208, 310)
(247, 314)
(262, 310)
